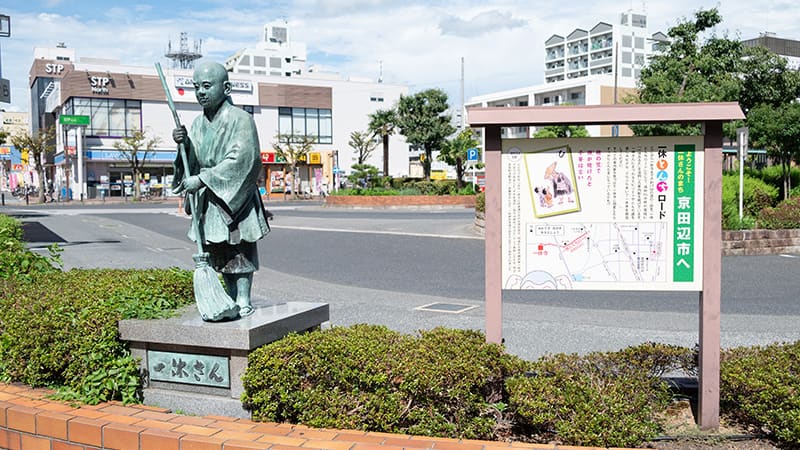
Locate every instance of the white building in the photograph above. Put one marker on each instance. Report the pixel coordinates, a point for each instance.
(626, 46)
(590, 90)
(276, 54)
(119, 99)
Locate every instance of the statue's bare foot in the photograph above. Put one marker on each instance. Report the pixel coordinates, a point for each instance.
(246, 310)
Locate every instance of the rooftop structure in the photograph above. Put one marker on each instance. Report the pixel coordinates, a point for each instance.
(276, 55)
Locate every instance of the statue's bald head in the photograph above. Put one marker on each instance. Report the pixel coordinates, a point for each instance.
(212, 70)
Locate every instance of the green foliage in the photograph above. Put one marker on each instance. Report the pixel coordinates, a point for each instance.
(454, 152)
(760, 386)
(363, 144)
(785, 215)
(601, 399)
(16, 260)
(422, 120)
(442, 383)
(562, 131)
(480, 202)
(60, 328)
(135, 150)
(757, 196)
(364, 176)
(777, 129)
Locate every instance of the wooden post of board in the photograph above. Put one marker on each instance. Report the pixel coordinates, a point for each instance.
(708, 395)
(494, 235)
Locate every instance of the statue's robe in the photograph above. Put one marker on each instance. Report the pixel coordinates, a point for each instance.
(225, 154)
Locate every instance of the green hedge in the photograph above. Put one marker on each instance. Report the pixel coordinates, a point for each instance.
(59, 329)
(16, 260)
(442, 383)
(783, 216)
(757, 196)
(760, 386)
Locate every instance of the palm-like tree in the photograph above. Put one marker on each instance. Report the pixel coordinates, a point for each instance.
(382, 122)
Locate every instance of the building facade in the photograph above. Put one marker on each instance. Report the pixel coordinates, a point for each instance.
(119, 99)
(788, 48)
(592, 90)
(275, 55)
(606, 49)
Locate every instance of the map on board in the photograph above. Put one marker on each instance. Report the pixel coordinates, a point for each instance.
(592, 252)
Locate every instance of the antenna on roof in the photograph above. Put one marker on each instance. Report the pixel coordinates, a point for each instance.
(183, 58)
(380, 74)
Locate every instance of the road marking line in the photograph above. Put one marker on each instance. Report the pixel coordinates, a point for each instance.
(789, 256)
(393, 233)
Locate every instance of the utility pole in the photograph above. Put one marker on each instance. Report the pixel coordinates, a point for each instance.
(461, 125)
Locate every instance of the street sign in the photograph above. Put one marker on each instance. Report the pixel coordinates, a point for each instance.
(336, 169)
(5, 91)
(73, 120)
(472, 154)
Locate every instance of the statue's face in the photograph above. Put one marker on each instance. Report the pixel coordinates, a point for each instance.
(210, 87)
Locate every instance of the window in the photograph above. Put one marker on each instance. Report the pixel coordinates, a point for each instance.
(260, 61)
(109, 117)
(306, 122)
(639, 42)
(245, 61)
(626, 57)
(275, 63)
(248, 108)
(627, 41)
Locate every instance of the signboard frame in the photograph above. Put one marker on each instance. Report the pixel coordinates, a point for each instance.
(711, 116)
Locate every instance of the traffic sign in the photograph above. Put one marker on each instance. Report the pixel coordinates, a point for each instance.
(65, 119)
(472, 154)
(336, 169)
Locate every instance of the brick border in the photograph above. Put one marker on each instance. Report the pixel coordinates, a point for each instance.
(31, 421)
(400, 201)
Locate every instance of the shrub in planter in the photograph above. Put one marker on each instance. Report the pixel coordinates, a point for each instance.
(60, 329)
(760, 386)
(442, 383)
(601, 399)
(757, 195)
(783, 216)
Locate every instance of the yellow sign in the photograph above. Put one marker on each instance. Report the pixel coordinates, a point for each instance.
(24, 156)
(422, 157)
(438, 174)
(314, 158)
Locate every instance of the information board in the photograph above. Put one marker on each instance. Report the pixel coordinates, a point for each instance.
(603, 213)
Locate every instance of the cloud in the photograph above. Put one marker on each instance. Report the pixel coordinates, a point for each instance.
(485, 22)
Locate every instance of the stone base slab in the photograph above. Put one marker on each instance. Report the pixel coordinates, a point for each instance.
(187, 385)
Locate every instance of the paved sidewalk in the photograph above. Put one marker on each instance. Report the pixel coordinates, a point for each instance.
(31, 421)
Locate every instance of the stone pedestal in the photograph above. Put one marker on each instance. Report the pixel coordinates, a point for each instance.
(196, 367)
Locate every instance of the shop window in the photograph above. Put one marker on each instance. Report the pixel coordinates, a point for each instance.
(109, 117)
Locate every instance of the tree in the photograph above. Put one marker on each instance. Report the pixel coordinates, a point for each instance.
(38, 147)
(363, 144)
(293, 148)
(454, 153)
(777, 129)
(561, 131)
(3, 136)
(766, 79)
(422, 120)
(383, 122)
(136, 149)
(690, 71)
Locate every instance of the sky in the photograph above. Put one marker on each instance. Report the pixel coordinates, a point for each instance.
(415, 43)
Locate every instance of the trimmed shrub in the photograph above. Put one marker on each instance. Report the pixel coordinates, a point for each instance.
(59, 329)
(601, 399)
(757, 196)
(480, 202)
(16, 260)
(785, 215)
(760, 386)
(442, 383)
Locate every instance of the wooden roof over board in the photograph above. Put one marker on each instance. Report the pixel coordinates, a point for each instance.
(603, 114)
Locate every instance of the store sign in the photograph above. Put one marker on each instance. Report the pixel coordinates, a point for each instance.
(5, 150)
(66, 119)
(99, 85)
(54, 69)
(314, 158)
(267, 158)
(236, 85)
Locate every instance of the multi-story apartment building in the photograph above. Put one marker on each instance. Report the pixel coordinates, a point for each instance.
(788, 48)
(625, 47)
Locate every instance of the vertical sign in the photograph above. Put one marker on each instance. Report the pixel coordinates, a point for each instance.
(685, 199)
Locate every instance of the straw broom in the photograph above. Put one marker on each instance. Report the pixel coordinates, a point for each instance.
(213, 303)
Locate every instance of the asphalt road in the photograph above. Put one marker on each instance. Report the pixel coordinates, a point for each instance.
(385, 266)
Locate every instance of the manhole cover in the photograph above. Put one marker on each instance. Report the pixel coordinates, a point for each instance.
(453, 308)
